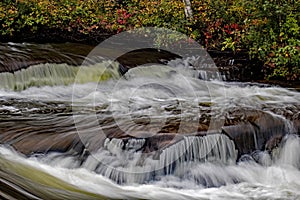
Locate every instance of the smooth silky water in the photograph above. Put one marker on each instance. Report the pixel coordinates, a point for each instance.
(42, 111)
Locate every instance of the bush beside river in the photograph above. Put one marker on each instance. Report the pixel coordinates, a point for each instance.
(267, 30)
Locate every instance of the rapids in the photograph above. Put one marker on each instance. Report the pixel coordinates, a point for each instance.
(276, 179)
(170, 131)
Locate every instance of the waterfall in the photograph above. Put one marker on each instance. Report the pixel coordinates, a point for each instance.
(125, 162)
(201, 67)
(246, 179)
(211, 75)
(57, 74)
(288, 154)
(51, 74)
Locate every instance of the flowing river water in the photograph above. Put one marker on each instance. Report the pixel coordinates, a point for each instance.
(158, 132)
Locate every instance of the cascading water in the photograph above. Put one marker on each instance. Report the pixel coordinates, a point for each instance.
(131, 165)
(157, 132)
(202, 71)
(60, 74)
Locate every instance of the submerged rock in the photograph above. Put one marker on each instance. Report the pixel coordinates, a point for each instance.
(252, 130)
(255, 132)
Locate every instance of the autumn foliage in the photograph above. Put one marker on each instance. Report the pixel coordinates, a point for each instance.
(269, 30)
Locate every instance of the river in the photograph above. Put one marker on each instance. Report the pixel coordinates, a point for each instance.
(71, 131)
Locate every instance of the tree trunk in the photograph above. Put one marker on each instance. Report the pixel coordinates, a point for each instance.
(188, 8)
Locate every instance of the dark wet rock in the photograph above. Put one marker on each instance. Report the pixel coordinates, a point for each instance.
(160, 141)
(237, 66)
(243, 135)
(249, 129)
(144, 56)
(297, 126)
(16, 56)
(259, 132)
(29, 137)
(273, 142)
(40, 144)
(55, 131)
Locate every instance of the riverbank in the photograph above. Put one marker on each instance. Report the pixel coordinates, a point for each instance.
(270, 39)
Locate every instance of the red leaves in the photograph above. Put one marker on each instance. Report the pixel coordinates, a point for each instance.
(208, 36)
(234, 26)
(123, 13)
(231, 29)
(122, 17)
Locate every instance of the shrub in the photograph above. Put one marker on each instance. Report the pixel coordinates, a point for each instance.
(268, 29)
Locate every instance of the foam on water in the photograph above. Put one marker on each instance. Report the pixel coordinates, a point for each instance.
(125, 163)
(277, 181)
(57, 74)
(165, 82)
(193, 167)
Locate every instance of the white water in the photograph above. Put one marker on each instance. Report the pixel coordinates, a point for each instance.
(153, 95)
(167, 86)
(57, 74)
(132, 166)
(280, 180)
